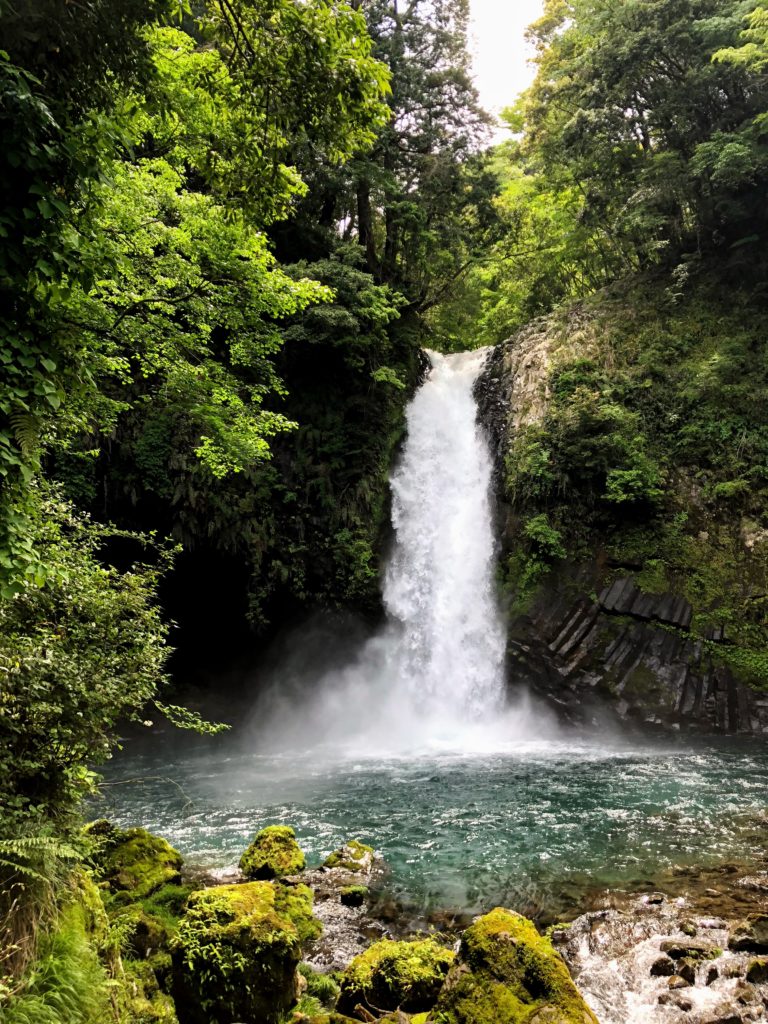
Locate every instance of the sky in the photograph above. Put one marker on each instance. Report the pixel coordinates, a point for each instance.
(500, 52)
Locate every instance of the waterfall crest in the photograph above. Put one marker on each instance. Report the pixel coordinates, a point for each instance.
(432, 678)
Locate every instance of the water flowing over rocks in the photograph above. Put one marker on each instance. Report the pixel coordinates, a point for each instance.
(657, 960)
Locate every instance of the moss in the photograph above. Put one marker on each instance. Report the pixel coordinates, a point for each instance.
(507, 973)
(133, 863)
(353, 856)
(322, 987)
(274, 853)
(142, 997)
(237, 950)
(143, 933)
(391, 975)
(353, 895)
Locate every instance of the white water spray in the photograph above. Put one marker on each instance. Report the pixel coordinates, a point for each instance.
(432, 679)
(439, 583)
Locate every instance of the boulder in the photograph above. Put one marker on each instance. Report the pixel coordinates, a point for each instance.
(237, 950)
(274, 853)
(352, 856)
(507, 973)
(757, 972)
(133, 863)
(393, 975)
(750, 935)
(689, 949)
(353, 895)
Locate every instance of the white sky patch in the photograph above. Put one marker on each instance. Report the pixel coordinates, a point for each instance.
(499, 50)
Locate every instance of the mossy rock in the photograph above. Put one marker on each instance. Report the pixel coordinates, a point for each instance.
(352, 856)
(353, 895)
(142, 997)
(133, 863)
(237, 950)
(94, 915)
(750, 935)
(507, 973)
(393, 975)
(145, 934)
(274, 853)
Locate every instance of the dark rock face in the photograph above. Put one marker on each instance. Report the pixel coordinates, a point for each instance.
(592, 643)
(627, 654)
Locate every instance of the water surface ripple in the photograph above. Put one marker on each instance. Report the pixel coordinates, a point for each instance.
(458, 831)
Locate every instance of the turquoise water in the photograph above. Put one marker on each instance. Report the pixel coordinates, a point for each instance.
(533, 826)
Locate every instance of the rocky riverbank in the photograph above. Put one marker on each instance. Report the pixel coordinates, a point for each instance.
(275, 942)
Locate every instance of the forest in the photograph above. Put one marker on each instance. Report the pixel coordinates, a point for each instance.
(229, 231)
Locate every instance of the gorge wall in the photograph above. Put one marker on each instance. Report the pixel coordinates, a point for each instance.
(647, 608)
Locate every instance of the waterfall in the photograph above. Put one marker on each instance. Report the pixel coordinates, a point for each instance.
(439, 583)
(432, 678)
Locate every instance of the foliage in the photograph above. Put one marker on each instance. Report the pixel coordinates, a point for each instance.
(238, 948)
(641, 142)
(653, 447)
(66, 985)
(321, 987)
(76, 655)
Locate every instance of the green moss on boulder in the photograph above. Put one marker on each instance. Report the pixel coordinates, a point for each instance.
(274, 853)
(352, 856)
(143, 1000)
(396, 975)
(507, 973)
(237, 950)
(133, 863)
(750, 935)
(353, 895)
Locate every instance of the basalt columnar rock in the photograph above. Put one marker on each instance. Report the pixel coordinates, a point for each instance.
(506, 973)
(274, 853)
(237, 951)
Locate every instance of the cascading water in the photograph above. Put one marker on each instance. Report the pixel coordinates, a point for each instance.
(433, 677)
(439, 582)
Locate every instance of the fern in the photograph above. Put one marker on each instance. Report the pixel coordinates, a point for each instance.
(26, 431)
(32, 857)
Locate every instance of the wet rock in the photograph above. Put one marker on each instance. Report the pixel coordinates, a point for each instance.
(712, 975)
(353, 895)
(133, 863)
(677, 981)
(354, 856)
(687, 970)
(689, 928)
(506, 972)
(237, 950)
(350, 923)
(750, 935)
(663, 967)
(676, 1000)
(747, 995)
(689, 949)
(391, 975)
(757, 971)
(274, 853)
(723, 1014)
